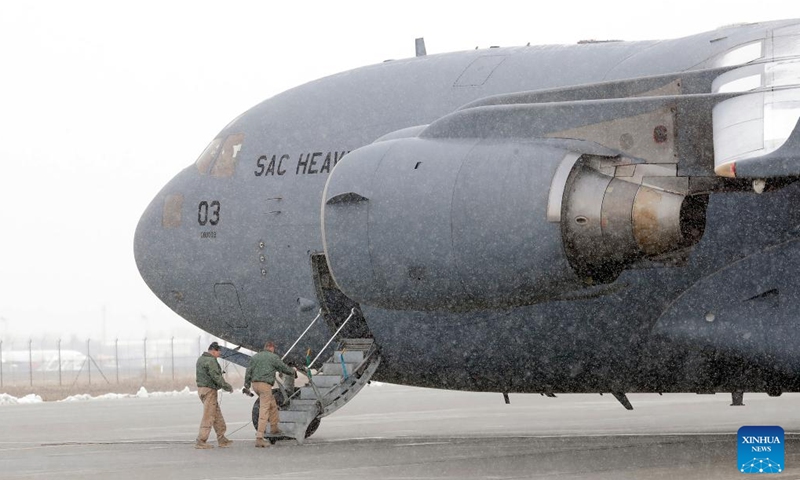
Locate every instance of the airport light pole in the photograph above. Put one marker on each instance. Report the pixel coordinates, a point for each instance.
(172, 354)
(59, 362)
(88, 362)
(5, 334)
(30, 360)
(145, 359)
(116, 357)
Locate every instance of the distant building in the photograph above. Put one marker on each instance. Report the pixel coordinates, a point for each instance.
(43, 360)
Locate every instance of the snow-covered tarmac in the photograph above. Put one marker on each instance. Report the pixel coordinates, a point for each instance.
(389, 432)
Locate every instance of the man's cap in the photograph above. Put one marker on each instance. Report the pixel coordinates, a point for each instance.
(213, 346)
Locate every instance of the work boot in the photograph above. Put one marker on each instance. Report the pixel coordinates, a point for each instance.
(202, 445)
(275, 431)
(261, 443)
(224, 442)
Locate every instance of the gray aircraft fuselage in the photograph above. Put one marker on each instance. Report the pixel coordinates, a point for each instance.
(446, 235)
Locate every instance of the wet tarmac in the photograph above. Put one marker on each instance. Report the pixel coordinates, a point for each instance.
(393, 432)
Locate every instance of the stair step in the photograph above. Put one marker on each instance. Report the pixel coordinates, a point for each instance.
(350, 356)
(335, 368)
(307, 393)
(293, 416)
(298, 404)
(358, 343)
(322, 381)
(288, 429)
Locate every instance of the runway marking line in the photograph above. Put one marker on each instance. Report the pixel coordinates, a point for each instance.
(421, 444)
(118, 442)
(361, 439)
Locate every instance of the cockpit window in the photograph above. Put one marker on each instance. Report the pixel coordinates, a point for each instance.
(226, 162)
(219, 157)
(203, 163)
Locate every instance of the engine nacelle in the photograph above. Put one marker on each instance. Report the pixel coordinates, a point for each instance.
(428, 224)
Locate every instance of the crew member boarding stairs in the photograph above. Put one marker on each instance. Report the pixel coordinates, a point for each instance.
(330, 384)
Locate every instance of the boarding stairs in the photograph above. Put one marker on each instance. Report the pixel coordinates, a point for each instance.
(330, 385)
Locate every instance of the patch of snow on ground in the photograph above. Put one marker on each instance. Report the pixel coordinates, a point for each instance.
(173, 393)
(142, 393)
(85, 397)
(6, 399)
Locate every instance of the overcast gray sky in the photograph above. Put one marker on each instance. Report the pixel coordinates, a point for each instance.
(101, 103)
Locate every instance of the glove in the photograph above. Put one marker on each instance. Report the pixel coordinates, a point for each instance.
(247, 392)
(228, 388)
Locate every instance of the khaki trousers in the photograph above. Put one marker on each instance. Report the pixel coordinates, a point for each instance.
(212, 415)
(267, 410)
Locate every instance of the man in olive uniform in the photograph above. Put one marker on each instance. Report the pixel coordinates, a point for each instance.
(209, 380)
(261, 372)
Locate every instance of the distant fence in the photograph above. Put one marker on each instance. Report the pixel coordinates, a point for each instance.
(31, 362)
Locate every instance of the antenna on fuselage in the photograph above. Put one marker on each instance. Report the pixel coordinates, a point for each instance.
(420, 44)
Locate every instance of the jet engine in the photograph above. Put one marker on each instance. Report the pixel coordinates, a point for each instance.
(465, 224)
(609, 222)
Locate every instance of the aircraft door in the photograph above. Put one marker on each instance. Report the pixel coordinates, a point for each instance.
(228, 305)
(336, 306)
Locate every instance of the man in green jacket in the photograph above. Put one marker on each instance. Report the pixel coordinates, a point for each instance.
(209, 380)
(261, 372)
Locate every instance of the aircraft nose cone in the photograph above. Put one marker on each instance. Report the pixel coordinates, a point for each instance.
(157, 241)
(146, 249)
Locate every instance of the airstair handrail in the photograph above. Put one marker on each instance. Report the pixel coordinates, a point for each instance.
(352, 312)
(303, 334)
